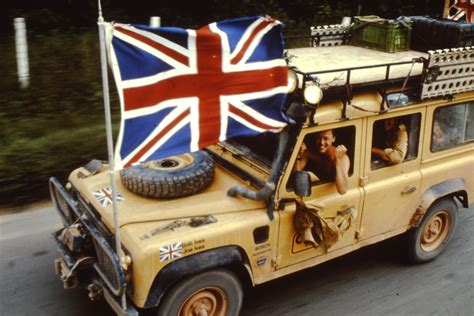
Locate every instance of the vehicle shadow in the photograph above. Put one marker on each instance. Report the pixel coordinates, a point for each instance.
(324, 279)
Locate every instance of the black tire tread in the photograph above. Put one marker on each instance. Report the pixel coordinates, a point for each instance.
(170, 184)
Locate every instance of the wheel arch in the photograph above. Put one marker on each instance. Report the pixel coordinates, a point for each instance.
(452, 188)
(232, 258)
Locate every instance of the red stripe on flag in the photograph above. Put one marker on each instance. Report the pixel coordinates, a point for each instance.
(165, 50)
(244, 48)
(209, 63)
(204, 86)
(233, 109)
(155, 139)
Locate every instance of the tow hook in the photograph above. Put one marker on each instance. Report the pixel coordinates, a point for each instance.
(95, 291)
(65, 274)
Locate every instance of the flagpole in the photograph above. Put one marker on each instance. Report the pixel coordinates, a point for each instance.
(110, 142)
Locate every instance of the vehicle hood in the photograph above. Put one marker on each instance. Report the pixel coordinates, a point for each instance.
(134, 208)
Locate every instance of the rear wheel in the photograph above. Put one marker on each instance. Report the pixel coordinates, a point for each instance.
(212, 293)
(436, 229)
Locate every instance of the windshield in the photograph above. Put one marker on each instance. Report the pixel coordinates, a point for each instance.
(261, 148)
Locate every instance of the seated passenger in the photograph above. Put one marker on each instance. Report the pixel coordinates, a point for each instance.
(440, 139)
(328, 162)
(396, 142)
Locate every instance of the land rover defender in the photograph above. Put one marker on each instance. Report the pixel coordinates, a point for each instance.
(196, 228)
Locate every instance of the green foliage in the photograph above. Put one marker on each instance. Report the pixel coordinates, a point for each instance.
(56, 124)
(27, 160)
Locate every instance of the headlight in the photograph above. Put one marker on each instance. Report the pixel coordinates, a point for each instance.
(313, 94)
(292, 81)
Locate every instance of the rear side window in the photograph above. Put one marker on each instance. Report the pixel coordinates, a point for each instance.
(395, 140)
(452, 126)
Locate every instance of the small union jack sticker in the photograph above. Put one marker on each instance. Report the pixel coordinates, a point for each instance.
(170, 252)
(104, 196)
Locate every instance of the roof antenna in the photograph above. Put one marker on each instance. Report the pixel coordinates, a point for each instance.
(100, 19)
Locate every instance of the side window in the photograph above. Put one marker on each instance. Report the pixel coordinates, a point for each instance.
(395, 140)
(452, 125)
(320, 152)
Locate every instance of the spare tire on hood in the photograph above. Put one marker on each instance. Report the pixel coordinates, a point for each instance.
(170, 177)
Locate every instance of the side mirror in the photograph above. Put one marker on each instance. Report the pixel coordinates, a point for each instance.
(297, 112)
(302, 183)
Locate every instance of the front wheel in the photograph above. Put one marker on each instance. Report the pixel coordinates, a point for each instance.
(212, 293)
(431, 237)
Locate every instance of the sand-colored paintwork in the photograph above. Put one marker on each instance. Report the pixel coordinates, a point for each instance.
(385, 199)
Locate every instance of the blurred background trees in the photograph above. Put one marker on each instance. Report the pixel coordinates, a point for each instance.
(50, 14)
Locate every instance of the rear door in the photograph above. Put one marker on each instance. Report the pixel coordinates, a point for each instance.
(392, 190)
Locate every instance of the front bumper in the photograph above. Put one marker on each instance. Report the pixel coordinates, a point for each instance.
(103, 264)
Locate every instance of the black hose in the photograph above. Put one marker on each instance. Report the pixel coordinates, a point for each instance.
(265, 192)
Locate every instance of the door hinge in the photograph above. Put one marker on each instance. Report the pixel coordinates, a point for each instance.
(276, 262)
(363, 181)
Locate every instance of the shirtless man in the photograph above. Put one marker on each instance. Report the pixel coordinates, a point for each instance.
(328, 162)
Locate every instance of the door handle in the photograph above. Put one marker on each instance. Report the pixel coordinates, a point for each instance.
(346, 210)
(409, 189)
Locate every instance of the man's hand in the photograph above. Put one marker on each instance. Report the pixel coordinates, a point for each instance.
(340, 151)
(303, 149)
(301, 159)
(381, 154)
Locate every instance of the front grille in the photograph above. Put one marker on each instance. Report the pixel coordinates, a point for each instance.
(108, 262)
(62, 205)
(93, 216)
(106, 265)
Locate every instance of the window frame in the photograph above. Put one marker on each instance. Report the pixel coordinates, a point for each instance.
(353, 124)
(414, 115)
(435, 111)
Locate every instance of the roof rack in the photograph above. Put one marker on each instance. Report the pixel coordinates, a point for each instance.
(330, 35)
(312, 76)
(444, 73)
(448, 71)
(325, 35)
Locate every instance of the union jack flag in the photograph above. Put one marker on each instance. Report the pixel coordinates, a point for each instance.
(170, 252)
(182, 90)
(104, 196)
(459, 9)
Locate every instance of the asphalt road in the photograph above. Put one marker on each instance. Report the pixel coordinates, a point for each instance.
(371, 281)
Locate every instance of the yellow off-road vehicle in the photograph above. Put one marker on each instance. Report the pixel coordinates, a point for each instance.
(198, 227)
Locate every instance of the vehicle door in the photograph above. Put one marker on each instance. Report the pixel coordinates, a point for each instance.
(292, 248)
(392, 188)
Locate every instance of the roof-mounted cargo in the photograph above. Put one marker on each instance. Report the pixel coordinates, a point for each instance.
(334, 64)
(448, 72)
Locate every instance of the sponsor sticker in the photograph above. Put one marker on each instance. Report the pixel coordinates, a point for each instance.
(261, 261)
